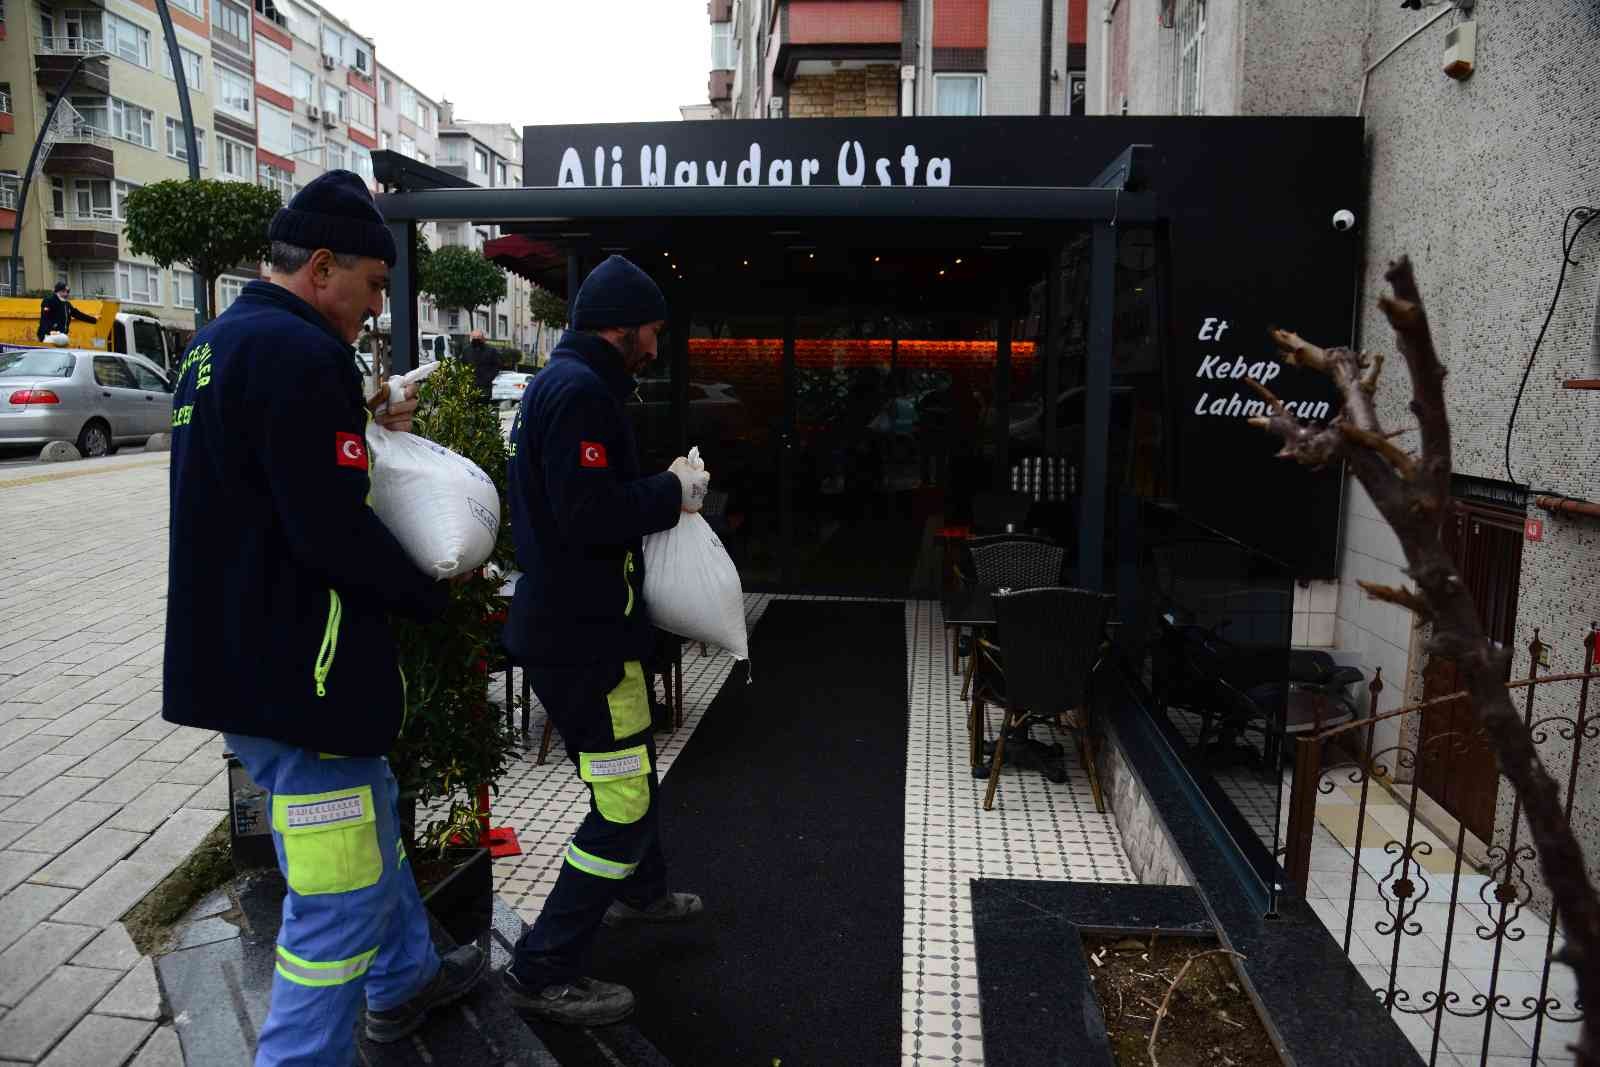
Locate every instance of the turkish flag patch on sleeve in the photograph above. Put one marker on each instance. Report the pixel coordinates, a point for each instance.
(350, 450)
(591, 454)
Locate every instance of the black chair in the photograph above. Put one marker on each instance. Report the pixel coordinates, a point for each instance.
(1015, 561)
(1049, 643)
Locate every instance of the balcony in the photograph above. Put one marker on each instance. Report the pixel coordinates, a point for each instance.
(7, 122)
(56, 54)
(74, 146)
(720, 87)
(93, 236)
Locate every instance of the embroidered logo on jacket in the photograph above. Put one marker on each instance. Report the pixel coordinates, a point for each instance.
(591, 454)
(350, 450)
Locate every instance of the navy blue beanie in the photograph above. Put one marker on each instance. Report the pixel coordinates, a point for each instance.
(336, 212)
(617, 293)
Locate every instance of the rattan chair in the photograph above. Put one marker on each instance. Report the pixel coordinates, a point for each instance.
(1014, 561)
(1049, 644)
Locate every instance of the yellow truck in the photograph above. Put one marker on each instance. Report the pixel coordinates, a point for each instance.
(113, 330)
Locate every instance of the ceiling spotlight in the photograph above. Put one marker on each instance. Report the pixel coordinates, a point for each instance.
(941, 274)
(747, 262)
(958, 261)
(877, 259)
(811, 255)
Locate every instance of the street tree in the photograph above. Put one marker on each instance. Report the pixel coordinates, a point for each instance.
(1412, 492)
(460, 278)
(547, 308)
(207, 226)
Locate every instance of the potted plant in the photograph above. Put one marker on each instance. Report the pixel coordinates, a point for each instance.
(455, 745)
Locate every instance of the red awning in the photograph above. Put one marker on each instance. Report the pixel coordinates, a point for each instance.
(541, 262)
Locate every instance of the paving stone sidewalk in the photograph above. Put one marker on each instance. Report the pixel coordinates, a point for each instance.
(99, 798)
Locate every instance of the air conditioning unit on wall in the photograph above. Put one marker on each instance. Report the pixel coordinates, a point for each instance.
(313, 112)
(327, 62)
(329, 119)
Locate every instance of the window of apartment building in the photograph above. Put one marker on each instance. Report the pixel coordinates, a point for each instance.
(94, 111)
(454, 321)
(480, 161)
(452, 150)
(386, 88)
(271, 177)
(383, 140)
(235, 90)
(121, 119)
(122, 38)
(197, 8)
(722, 53)
(177, 144)
(333, 43)
(301, 23)
(194, 69)
(363, 112)
(303, 145)
(97, 279)
(336, 156)
(119, 194)
(302, 84)
(958, 94)
(408, 102)
(232, 20)
(138, 283)
(228, 290)
(361, 162)
(58, 197)
(333, 101)
(272, 129)
(480, 321)
(182, 288)
(452, 233)
(236, 161)
(359, 57)
(1191, 26)
(91, 199)
(408, 147)
(273, 68)
(502, 326)
(500, 172)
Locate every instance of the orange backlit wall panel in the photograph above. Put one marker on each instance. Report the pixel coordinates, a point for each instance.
(911, 355)
(831, 22)
(960, 23)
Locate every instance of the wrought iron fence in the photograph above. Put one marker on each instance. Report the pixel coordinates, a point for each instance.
(1459, 950)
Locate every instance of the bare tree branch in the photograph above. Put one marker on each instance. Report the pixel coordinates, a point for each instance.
(1412, 493)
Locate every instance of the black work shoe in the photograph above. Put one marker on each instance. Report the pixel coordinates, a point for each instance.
(458, 973)
(672, 908)
(580, 1002)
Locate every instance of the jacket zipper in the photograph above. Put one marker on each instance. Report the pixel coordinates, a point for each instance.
(330, 643)
(627, 580)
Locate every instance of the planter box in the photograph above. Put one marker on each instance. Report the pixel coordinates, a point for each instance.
(463, 901)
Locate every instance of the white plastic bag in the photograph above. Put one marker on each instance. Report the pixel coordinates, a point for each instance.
(440, 506)
(691, 586)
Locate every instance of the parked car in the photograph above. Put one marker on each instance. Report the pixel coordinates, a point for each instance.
(98, 400)
(509, 385)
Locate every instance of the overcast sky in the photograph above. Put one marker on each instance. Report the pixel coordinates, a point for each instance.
(544, 61)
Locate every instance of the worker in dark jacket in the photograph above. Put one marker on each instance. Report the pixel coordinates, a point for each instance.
(579, 509)
(56, 312)
(281, 582)
(485, 364)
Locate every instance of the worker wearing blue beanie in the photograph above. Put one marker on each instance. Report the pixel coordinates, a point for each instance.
(580, 508)
(280, 594)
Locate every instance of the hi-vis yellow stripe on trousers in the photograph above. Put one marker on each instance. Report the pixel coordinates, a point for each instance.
(338, 972)
(589, 863)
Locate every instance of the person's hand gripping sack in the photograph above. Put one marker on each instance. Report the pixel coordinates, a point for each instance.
(694, 478)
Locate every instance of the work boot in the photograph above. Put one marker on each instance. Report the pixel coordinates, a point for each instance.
(580, 1002)
(458, 973)
(672, 908)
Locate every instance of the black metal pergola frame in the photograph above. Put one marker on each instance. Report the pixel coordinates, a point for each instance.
(1119, 195)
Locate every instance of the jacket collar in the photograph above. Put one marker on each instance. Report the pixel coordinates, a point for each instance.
(265, 292)
(601, 356)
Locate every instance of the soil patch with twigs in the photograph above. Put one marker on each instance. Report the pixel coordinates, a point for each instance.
(1205, 1020)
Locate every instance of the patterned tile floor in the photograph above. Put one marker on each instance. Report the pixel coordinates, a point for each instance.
(1037, 830)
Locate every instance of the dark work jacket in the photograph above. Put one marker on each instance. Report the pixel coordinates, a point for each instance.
(580, 510)
(485, 363)
(55, 315)
(281, 579)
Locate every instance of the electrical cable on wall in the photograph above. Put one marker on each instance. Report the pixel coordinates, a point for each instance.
(1585, 215)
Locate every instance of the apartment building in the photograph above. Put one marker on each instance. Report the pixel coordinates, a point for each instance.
(488, 154)
(1475, 174)
(860, 58)
(119, 126)
(408, 123)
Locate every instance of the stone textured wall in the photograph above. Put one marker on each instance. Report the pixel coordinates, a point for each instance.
(862, 92)
(1144, 837)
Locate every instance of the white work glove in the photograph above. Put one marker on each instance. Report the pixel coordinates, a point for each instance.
(694, 478)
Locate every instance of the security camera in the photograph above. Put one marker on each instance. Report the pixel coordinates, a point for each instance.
(1344, 220)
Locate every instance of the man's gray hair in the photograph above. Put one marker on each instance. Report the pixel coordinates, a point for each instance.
(288, 259)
